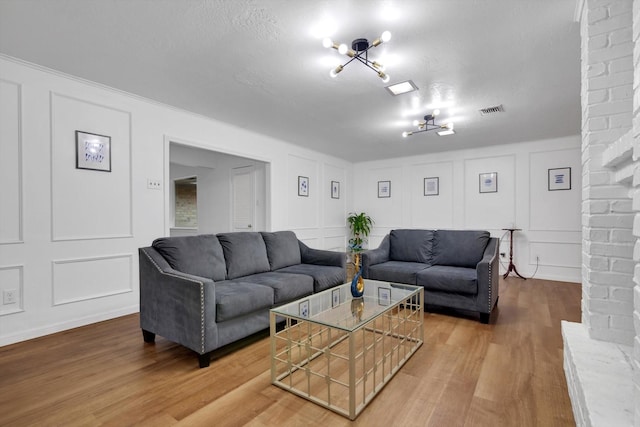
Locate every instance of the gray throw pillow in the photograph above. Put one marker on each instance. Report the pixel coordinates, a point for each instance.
(411, 245)
(282, 249)
(198, 255)
(245, 253)
(459, 248)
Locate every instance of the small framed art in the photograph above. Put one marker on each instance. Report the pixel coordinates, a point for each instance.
(335, 190)
(335, 298)
(488, 182)
(384, 189)
(303, 308)
(93, 151)
(303, 186)
(384, 296)
(432, 186)
(559, 179)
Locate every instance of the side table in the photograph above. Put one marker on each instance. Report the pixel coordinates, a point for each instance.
(512, 266)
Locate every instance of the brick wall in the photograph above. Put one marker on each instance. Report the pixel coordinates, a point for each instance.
(607, 147)
(186, 206)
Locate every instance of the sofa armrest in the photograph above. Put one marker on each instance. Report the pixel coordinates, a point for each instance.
(176, 305)
(322, 257)
(375, 256)
(488, 277)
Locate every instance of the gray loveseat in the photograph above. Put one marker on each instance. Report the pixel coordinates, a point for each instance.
(457, 268)
(207, 291)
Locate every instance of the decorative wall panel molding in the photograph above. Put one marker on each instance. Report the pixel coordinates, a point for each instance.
(493, 210)
(12, 280)
(556, 254)
(335, 209)
(303, 211)
(83, 279)
(89, 204)
(436, 211)
(11, 177)
(553, 210)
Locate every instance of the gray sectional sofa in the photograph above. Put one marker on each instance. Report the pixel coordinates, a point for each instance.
(207, 291)
(457, 268)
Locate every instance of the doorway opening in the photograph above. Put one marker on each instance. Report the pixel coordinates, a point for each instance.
(214, 192)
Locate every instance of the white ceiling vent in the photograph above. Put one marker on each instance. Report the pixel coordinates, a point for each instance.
(491, 110)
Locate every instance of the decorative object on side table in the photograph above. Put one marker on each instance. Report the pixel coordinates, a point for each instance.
(360, 225)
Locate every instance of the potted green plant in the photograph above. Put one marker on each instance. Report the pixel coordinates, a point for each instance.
(360, 225)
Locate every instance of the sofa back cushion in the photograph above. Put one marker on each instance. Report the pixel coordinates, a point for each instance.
(459, 248)
(411, 245)
(282, 249)
(198, 255)
(245, 253)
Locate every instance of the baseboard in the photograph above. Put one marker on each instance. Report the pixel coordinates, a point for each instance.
(63, 326)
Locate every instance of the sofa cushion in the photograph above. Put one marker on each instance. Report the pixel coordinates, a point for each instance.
(459, 248)
(396, 271)
(244, 253)
(449, 279)
(324, 276)
(286, 287)
(282, 249)
(411, 245)
(234, 299)
(198, 255)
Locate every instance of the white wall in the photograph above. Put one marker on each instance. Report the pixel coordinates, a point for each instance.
(69, 237)
(550, 220)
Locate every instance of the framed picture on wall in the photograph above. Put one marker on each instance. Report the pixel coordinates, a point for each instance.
(559, 179)
(488, 182)
(335, 190)
(93, 151)
(384, 189)
(432, 186)
(303, 186)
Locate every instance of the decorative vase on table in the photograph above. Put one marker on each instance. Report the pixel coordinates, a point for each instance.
(357, 283)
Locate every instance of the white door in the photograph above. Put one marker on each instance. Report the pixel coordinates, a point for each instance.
(243, 199)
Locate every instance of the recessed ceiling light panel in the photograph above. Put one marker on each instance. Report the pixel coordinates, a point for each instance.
(402, 87)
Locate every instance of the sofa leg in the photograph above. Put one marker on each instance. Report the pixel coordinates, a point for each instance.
(484, 318)
(204, 360)
(148, 336)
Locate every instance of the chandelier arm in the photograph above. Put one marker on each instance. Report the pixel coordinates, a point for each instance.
(365, 62)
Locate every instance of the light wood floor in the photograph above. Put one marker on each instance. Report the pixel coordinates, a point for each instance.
(507, 373)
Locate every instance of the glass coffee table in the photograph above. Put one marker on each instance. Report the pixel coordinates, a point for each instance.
(338, 351)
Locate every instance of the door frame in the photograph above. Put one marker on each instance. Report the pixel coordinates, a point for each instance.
(168, 139)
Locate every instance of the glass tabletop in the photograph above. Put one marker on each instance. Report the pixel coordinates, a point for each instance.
(336, 307)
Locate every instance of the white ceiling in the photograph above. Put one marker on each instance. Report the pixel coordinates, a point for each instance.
(260, 65)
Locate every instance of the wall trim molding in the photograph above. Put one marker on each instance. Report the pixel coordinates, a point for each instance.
(54, 238)
(56, 302)
(20, 168)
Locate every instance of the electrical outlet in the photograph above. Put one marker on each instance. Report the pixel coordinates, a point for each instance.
(154, 184)
(9, 296)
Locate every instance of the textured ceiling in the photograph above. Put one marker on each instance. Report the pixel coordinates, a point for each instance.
(260, 65)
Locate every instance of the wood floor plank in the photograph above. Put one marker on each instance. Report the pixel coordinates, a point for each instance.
(508, 372)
